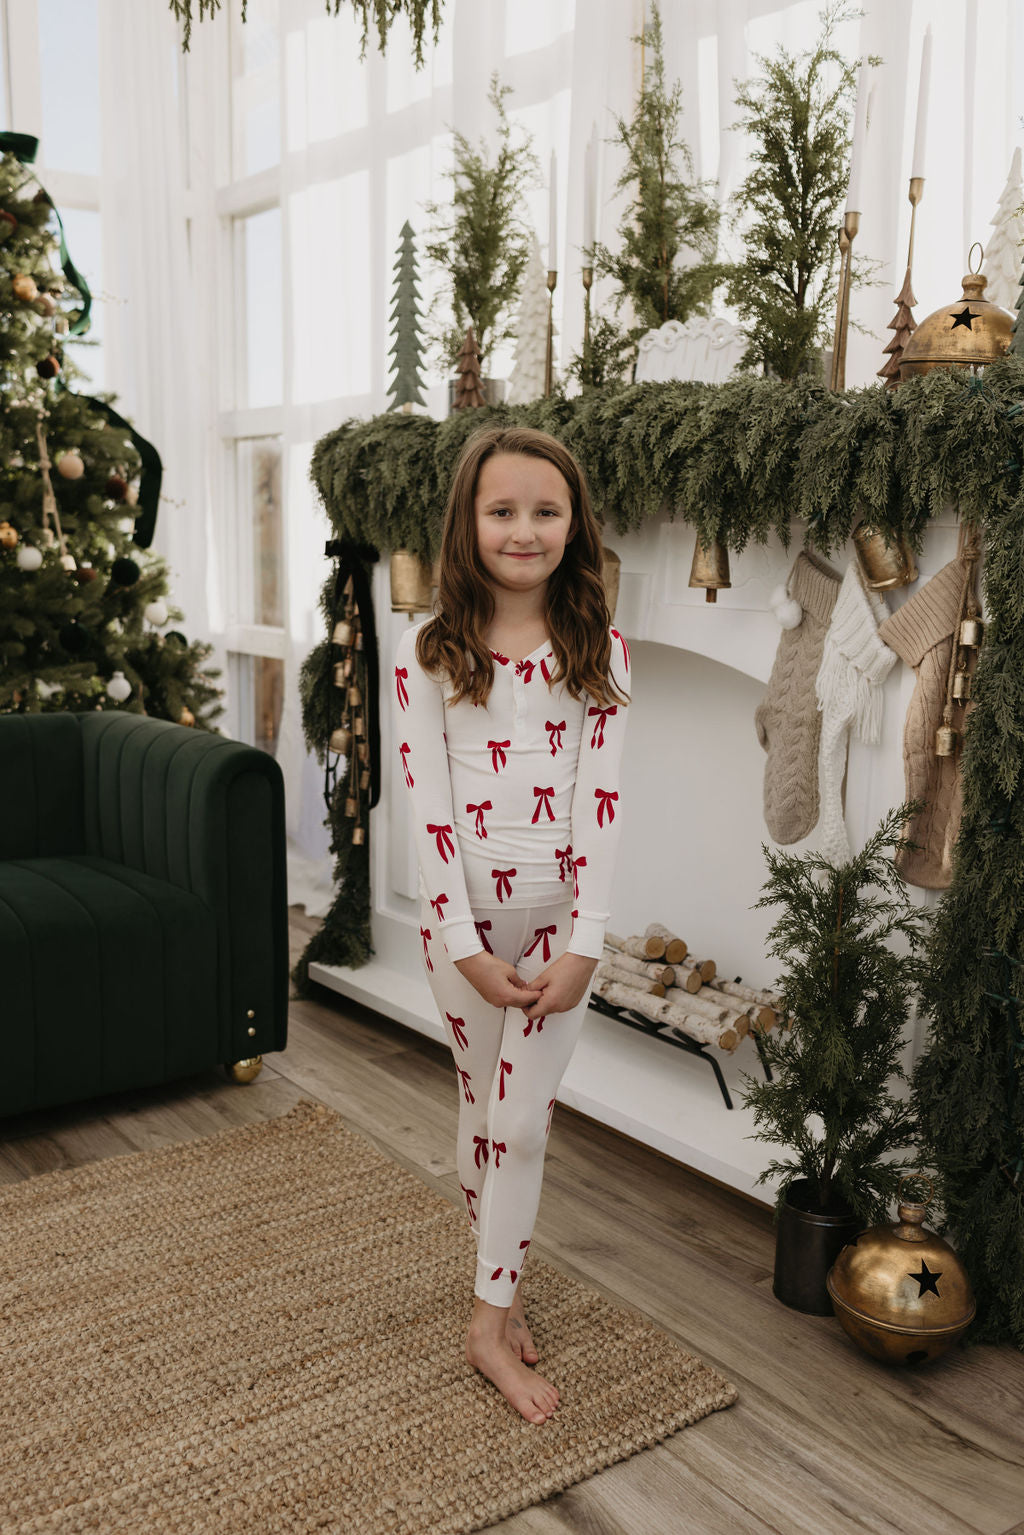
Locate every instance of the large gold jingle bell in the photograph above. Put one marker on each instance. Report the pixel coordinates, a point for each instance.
(900, 1292)
(410, 583)
(882, 564)
(710, 569)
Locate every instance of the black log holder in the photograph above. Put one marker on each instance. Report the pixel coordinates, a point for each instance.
(691, 1046)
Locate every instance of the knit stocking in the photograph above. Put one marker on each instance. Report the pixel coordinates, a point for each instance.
(787, 719)
(922, 632)
(848, 687)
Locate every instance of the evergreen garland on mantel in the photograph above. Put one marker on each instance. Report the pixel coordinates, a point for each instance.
(739, 461)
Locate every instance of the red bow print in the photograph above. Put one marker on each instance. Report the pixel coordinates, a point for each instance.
(401, 674)
(442, 900)
(564, 856)
(524, 669)
(543, 801)
(504, 878)
(445, 845)
(403, 749)
(470, 1194)
(482, 1149)
(497, 749)
(551, 1106)
(578, 863)
(498, 1147)
(425, 934)
(501, 660)
(458, 1029)
(597, 739)
(554, 730)
(505, 1066)
(625, 649)
(542, 932)
(482, 934)
(604, 798)
(480, 828)
(538, 1021)
(544, 667)
(466, 1089)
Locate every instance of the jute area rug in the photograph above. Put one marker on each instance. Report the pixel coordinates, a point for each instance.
(264, 1331)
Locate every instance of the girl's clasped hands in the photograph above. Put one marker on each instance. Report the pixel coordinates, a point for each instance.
(557, 989)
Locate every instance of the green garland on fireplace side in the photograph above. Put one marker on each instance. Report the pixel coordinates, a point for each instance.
(739, 461)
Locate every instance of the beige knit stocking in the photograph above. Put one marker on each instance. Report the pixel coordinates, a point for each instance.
(787, 719)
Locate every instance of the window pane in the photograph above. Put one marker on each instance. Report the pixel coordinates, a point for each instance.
(330, 233)
(83, 237)
(70, 69)
(532, 24)
(257, 693)
(257, 89)
(406, 83)
(261, 279)
(259, 492)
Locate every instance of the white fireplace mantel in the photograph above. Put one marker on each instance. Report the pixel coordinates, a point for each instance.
(691, 851)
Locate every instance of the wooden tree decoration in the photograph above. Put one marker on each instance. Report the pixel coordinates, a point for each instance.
(468, 386)
(407, 380)
(904, 324)
(1003, 253)
(527, 379)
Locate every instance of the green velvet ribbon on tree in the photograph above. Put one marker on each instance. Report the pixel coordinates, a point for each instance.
(24, 146)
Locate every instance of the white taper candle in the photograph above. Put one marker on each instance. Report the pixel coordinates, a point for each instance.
(553, 217)
(860, 128)
(917, 163)
(589, 177)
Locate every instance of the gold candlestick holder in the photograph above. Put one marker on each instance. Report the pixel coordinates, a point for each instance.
(847, 235)
(588, 278)
(552, 280)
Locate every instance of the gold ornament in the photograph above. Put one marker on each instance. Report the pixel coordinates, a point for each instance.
(971, 632)
(364, 780)
(962, 684)
(24, 287)
(354, 696)
(901, 1292)
(358, 837)
(970, 333)
(710, 569)
(70, 465)
(8, 535)
(186, 717)
(342, 632)
(945, 741)
(884, 565)
(410, 583)
(351, 808)
(340, 674)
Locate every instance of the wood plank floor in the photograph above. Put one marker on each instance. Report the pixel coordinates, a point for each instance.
(823, 1440)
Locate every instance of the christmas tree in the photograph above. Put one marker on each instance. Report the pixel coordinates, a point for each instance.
(526, 382)
(1003, 253)
(904, 324)
(81, 602)
(469, 391)
(407, 380)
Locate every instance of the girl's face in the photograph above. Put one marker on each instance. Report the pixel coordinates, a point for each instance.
(523, 511)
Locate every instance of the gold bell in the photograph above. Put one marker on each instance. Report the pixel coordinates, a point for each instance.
(945, 741)
(410, 583)
(901, 1292)
(610, 571)
(710, 569)
(364, 779)
(358, 837)
(969, 333)
(364, 752)
(354, 695)
(351, 808)
(340, 674)
(341, 740)
(884, 565)
(342, 632)
(961, 685)
(971, 631)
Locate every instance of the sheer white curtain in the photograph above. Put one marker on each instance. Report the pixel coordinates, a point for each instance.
(364, 145)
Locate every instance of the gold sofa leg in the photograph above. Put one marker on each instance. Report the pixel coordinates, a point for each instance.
(244, 1071)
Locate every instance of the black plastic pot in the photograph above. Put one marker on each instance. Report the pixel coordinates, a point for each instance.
(808, 1241)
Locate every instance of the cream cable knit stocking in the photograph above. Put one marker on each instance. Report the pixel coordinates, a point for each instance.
(787, 720)
(854, 664)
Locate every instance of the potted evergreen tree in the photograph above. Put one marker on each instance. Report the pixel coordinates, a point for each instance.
(480, 242)
(846, 994)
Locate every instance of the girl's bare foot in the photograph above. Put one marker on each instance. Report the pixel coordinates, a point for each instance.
(518, 1334)
(529, 1393)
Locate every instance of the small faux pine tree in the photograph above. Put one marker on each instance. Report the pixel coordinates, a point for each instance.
(76, 592)
(480, 242)
(797, 113)
(846, 995)
(469, 392)
(407, 380)
(670, 214)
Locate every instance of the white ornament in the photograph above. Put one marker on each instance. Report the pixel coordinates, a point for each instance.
(156, 613)
(131, 497)
(786, 608)
(69, 562)
(29, 558)
(119, 688)
(70, 465)
(47, 689)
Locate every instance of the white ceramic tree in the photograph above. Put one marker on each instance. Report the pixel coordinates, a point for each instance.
(1005, 248)
(527, 378)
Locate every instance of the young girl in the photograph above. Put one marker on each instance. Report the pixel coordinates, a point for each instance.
(510, 712)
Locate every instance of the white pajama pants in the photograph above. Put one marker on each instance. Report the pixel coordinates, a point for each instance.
(508, 1069)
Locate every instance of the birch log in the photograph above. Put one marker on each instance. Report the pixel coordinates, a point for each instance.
(715, 1010)
(705, 968)
(654, 972)
(763, 1015)
(611, 972)
(640, 948)
(661, 1010)
(675, 949)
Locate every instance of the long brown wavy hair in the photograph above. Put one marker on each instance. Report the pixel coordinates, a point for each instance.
(576, 612)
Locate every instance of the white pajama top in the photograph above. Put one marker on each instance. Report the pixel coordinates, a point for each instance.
(514, 802)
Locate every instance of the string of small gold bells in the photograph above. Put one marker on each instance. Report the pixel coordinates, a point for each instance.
(348, 637)
(968, 636)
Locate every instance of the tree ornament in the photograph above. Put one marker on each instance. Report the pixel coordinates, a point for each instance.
(131, 495)
(407, 380)
(29, 558)
(119, 688)
(116, 488)
(46, 305)
(124, 572)
(68, 560)
(469, 392)
(186, 717)
(8, 224)
(8, 535)
(48, 367)
(156, 613)
(70, 465)
(24, 287)
(969, 333)
(1002, 260)
(85, 574)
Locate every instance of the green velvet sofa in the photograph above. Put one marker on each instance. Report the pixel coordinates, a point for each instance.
(143, 906)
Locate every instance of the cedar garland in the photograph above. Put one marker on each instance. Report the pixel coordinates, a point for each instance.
(739, 461)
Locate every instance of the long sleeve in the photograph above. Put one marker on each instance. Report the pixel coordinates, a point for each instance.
(418, 708)
(596, 811)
